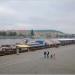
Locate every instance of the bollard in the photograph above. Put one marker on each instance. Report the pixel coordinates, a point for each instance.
(17, 51)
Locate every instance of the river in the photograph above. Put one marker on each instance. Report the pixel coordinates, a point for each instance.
(11, 41)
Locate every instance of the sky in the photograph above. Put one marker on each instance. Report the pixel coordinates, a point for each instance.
(38, 14)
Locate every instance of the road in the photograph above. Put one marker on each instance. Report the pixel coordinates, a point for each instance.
(35, 63)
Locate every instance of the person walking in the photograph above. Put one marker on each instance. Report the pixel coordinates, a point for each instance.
(45, 54)
(51, 56)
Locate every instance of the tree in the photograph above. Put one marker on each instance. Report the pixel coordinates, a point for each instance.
(3, 33)
(32, 33)
(12, 33)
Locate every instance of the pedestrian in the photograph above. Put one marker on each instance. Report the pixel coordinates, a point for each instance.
(51, 56)
(45, 54)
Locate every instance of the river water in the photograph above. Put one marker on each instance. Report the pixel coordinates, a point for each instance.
(11, 41)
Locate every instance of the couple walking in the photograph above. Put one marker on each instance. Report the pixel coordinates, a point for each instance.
(46, 54)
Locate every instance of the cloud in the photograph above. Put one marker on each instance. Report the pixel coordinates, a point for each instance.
(6, 11)
(38, 14)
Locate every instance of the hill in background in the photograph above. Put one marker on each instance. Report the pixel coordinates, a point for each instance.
(37, 33)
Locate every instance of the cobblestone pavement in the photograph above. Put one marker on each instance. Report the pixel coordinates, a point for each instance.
(35, 63)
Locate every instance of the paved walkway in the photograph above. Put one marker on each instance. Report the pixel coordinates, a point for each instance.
(34, 62)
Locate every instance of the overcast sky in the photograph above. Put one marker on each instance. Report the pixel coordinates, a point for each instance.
(38, 14)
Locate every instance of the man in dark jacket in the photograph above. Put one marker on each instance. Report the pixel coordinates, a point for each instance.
(45, 54)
